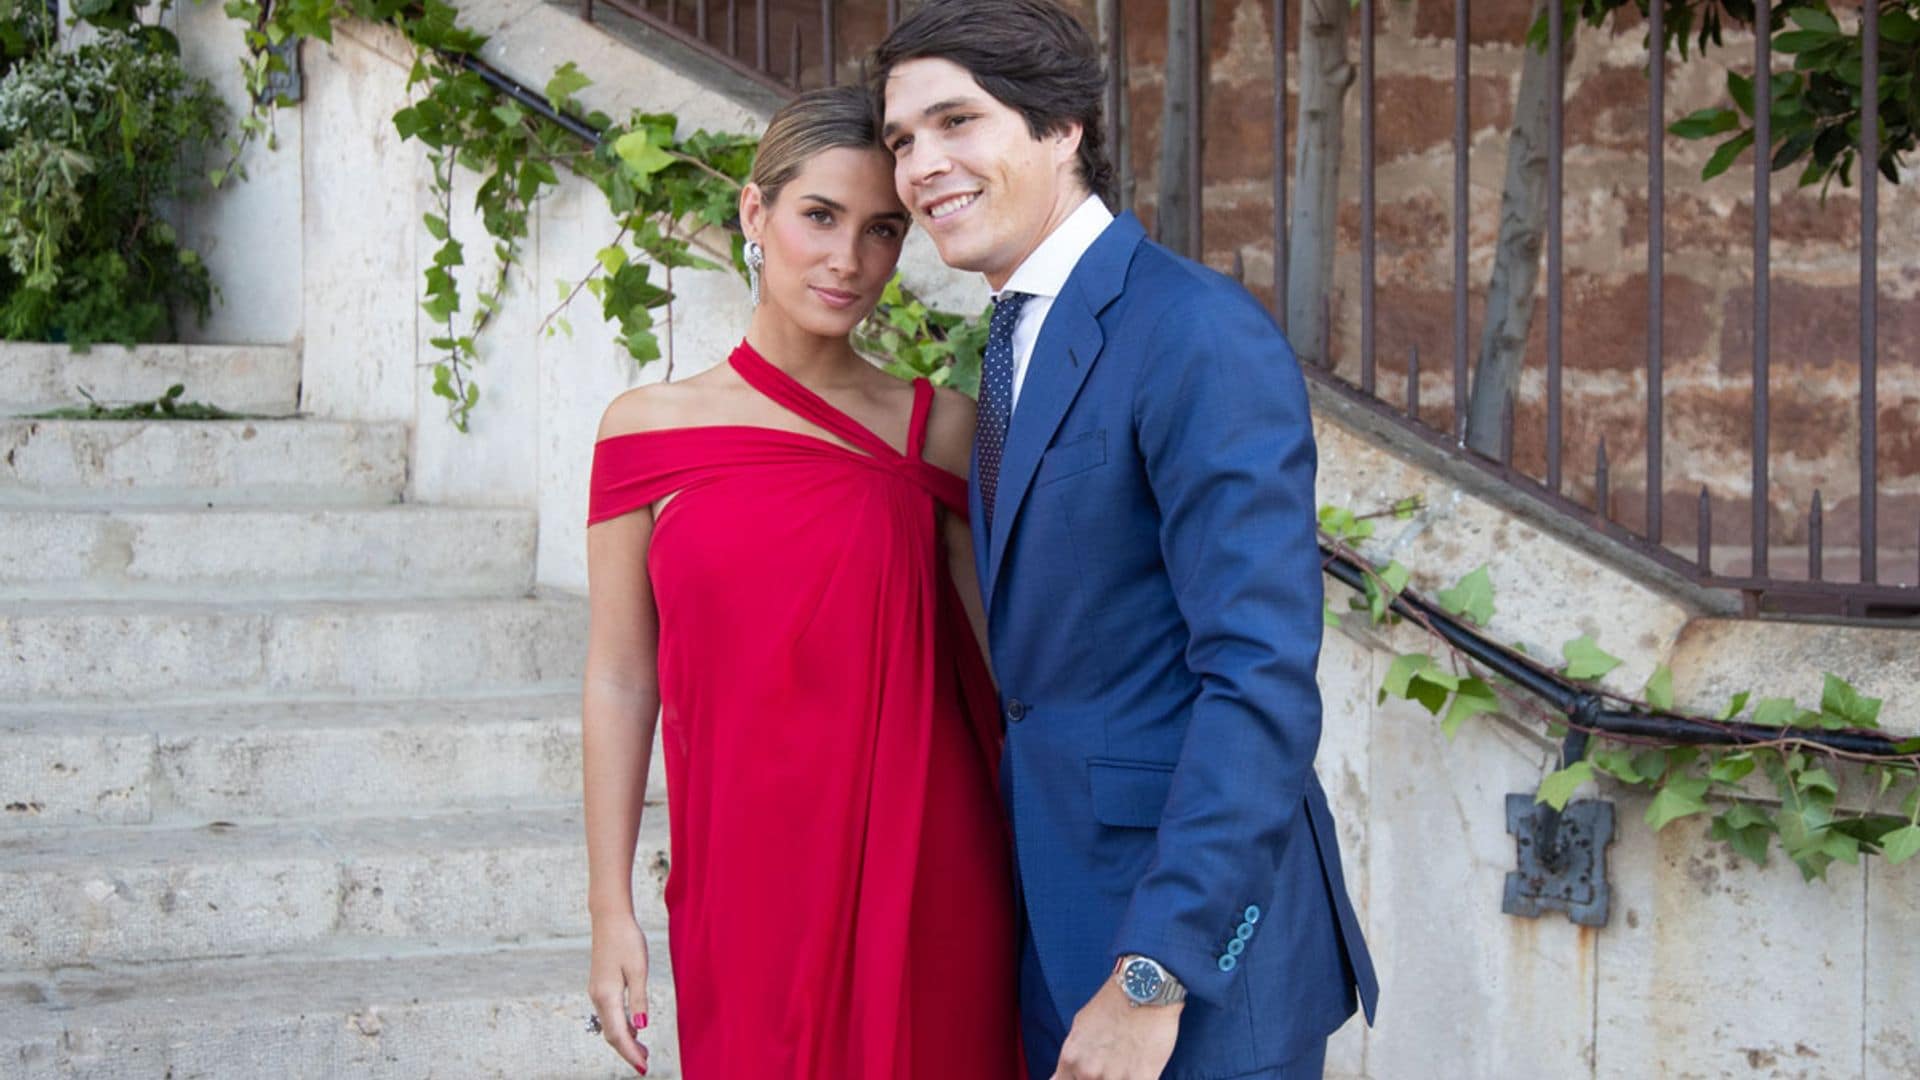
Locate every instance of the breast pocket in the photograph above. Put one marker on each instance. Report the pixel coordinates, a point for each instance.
(1076, 455)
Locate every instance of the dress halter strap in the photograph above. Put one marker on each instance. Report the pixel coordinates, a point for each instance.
(785, 390)
(917, 427)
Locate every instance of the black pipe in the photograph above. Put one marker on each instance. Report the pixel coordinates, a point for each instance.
(1588, 708)
(532, 99)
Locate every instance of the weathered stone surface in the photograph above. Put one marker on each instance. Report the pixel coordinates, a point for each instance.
(147, 894)
(1492, 22)
(181, 651)
(219, 462)
(1816, 326)
(399, 1012)
(335, 553)
(1347, 685)
(248, 761)
(1892, 956)
(1710, 963)
(250, 378)
(1414, 114)
(1717, 658)
(1467, 991)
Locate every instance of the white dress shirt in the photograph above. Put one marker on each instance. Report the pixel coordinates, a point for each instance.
(1044, 274)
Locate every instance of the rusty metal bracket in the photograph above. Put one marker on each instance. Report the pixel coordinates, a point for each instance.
(1562, 859)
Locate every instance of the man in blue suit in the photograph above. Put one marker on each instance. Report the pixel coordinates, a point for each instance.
(1143, 520)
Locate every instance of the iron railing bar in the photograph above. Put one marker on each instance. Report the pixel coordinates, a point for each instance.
(733, 28)
(761, 35)
(827, 43)
(700, 19)
(1366, 198)
(1815, 539)
(793, 58)
(893, 14)
(1762, 227)
(1556, 154)
(1656, 269)
(1462, 118)
(1869, 291)
(1280, 163)
(1698, 570)
(728, 56)
(1195, 149)
(1413, 383)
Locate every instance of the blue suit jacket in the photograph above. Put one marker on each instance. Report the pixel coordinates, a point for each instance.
(1154, 607)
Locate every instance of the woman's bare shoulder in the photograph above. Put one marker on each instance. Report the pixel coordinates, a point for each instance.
(659, 407)
(950, 430)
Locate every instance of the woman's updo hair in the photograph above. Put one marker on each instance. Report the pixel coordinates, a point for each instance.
(816, 121)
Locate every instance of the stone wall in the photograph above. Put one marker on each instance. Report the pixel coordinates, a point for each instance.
(1708, 273)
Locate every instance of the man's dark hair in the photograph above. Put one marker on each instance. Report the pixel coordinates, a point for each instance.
(1033, 56)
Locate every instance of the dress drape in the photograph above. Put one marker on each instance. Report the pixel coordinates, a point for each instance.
(839, 894)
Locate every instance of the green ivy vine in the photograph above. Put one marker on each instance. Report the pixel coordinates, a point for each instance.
(669, 198)
(1807, 781)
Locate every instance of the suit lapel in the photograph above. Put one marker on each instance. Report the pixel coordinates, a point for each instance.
(1070, 341)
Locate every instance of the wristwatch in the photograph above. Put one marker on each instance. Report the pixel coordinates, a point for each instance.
(1145, 982)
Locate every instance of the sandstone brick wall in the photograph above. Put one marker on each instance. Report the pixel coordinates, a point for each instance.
(1707, 280)
(1814, 323)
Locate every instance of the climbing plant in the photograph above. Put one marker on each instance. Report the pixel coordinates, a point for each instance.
(669, 198)
(1806, 778)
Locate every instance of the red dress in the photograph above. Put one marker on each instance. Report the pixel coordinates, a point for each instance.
(839, 901)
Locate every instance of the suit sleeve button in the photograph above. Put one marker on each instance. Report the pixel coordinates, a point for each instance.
(1253, 913)
(1229, 962)
(1236, 946)
(1243, 932)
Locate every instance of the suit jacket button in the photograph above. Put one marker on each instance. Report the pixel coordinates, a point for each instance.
(1016, 710)
(1229, 962)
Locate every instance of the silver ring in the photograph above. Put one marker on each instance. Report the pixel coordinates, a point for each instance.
(593, 1023)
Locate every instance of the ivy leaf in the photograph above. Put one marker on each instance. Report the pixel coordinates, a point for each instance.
(1659, 689)
(1473, 698)
(566, 82)
(1734, 706)
(1681, 797)
(1328, 616)
(1559, 786)
(437, 226)
(1619, 765)
(1776, 712)
(1731, 769)
(1471, 598)
(1818, 780)
(1746, 829)
(1587, 660)
(1394, 577)
(1401, 672)
(1404, 509)
(1901, 844)
(1839, 698)
(1650, 764)
(642, 155)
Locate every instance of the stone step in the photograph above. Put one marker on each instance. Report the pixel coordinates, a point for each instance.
(268, 553)
(144, 893)
(239, 378)
(155, 652)
(401, 1011)
(121, 765)
(206, 463)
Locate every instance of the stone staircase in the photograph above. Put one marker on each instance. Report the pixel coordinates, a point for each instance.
(289, 768)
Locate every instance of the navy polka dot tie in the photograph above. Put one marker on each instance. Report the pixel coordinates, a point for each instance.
(996, 396)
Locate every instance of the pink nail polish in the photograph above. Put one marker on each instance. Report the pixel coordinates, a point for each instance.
(639, 1021)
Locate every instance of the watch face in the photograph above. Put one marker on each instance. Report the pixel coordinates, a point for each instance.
(1142, 980)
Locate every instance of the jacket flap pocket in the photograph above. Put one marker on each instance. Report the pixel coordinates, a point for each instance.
(1129, 794)
(1077, 455)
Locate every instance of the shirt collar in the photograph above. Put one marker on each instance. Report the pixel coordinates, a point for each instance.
(1045, 271)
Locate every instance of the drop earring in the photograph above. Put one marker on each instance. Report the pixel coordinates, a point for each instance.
(756, 259)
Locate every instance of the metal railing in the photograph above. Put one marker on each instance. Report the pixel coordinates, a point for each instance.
(790, 44)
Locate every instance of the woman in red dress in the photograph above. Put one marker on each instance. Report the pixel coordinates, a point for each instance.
(779, 566)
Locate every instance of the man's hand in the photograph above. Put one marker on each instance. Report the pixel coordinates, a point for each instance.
(1113, 1039)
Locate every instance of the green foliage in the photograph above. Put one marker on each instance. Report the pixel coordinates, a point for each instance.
(167, 406)
(1683, 781)
(667, 195)
(94, 142)
(1815, 109)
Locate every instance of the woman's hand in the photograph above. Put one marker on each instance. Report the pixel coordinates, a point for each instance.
(617, 982)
